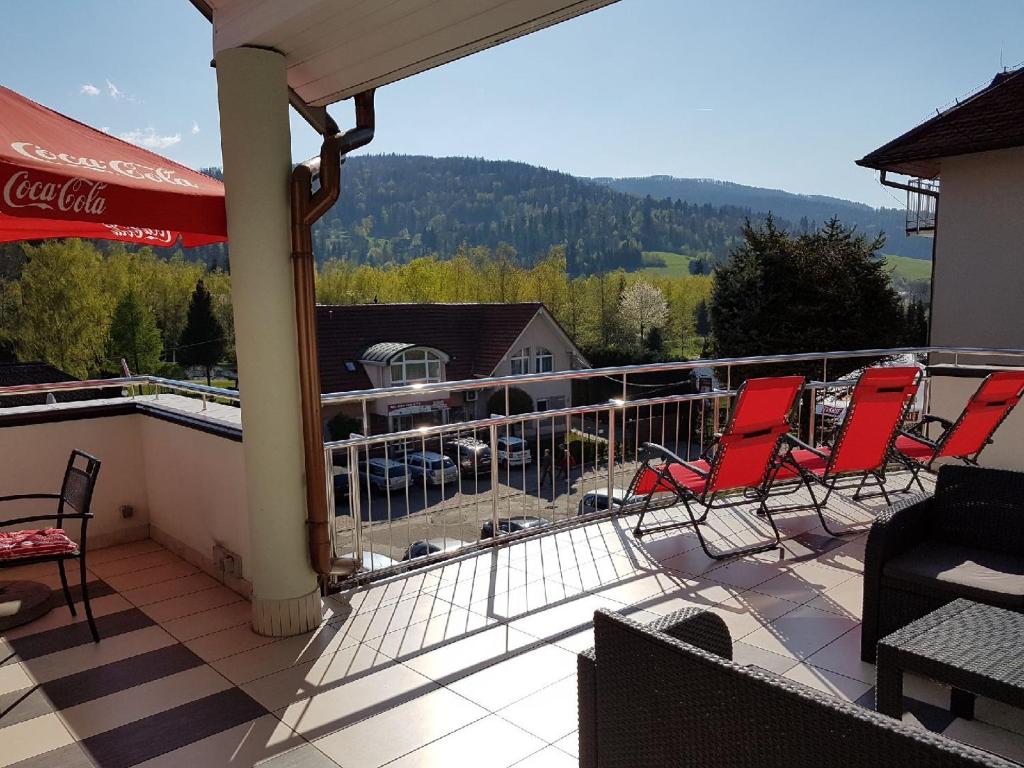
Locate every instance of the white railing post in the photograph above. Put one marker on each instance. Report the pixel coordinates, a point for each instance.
(355, 503)
(611, 454)
(494, 479)
(331, 501)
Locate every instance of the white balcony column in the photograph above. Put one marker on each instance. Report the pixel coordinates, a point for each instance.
(256, 146)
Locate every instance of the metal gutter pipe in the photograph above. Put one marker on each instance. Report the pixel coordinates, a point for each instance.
(307, 207)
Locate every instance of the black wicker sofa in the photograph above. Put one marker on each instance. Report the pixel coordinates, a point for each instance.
(965, 541)
(668, 694)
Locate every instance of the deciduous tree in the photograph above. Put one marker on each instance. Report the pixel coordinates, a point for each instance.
(61, 314)
(642, 307)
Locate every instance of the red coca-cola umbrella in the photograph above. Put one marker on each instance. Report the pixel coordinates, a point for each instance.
(60, 178)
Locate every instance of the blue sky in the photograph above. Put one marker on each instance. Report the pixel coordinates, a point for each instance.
(782, 94)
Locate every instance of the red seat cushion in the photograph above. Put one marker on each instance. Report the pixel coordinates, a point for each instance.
(687, 479)
(18, 545)
(915, 449)
(809, 460)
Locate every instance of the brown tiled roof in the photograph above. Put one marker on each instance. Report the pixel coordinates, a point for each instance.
(18, 374)
(474, 336)
(993, 118)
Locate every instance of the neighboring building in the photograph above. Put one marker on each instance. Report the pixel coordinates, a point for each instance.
(969, 160)
(365, 346)
(20, 374)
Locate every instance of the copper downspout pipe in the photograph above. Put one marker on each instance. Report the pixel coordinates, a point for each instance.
(307, 208)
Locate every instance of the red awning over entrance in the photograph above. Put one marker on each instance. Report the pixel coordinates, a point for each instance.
(60, 178)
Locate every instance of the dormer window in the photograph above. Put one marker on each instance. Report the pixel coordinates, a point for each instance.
(520, 362)
(544, 362)
(416, 366)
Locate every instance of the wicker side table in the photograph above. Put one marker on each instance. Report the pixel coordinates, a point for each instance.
(977, 649)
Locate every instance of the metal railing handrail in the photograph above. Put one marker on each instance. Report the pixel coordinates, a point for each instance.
(336, 398)
(120, 382)
(421, 433)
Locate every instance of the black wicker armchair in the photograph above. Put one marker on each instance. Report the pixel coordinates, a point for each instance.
(73, 502)
(667, 694)
(965, 541)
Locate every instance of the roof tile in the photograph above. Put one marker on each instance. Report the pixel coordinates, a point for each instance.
(474, 336)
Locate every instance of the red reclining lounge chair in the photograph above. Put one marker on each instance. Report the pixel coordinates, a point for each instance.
(743, 459)
(864, 442)
(965, 438)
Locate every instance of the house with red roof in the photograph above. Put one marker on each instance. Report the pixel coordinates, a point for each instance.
(370, 346)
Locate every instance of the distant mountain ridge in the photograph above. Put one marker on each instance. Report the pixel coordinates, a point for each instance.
(394, 208)
(789, 206)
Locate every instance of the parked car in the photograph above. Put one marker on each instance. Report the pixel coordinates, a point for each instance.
(512, 524)
(514, 451)
(436, 467)
(469, 454)
(372, 561)
(426, 547)
(340, 482)
(384, 475)
(597, 501)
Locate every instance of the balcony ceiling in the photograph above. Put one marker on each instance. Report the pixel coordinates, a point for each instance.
(338, 48)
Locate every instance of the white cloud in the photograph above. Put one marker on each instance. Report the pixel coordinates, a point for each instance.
(89, 90)
(150, 139)
(195, 127)
(114, 91)
(705, 109)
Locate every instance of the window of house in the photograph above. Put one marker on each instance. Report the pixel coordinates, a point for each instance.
(415, 366)
(542, 404)
(520, 362)
(544, 362)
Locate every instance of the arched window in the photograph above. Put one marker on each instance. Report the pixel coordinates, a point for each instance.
(520, 362)
(415, 366)
(544, 362)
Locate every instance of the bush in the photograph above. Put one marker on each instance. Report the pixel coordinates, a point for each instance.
(518, 402)
(586, 450)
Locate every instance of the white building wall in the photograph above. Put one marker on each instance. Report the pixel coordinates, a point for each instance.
(978, 291)
(33, 458)
(197, 492)
(186, 486)
(979, 251)
(541, 332)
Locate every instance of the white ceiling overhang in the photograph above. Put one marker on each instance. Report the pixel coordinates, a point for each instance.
(337, 48)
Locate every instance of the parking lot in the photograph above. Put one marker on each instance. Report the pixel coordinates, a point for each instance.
(457, 510)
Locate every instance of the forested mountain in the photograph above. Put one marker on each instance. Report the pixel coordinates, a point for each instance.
(807, 211)
(394, 208)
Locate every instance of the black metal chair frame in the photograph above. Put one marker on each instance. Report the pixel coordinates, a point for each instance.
(948, 430)
(791, 443)
(684, 494)
(75, 493)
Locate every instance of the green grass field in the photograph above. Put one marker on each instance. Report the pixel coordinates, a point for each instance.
(676, 265)
(911, 269)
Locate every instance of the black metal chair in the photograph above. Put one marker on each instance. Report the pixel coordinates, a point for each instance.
(25, 547)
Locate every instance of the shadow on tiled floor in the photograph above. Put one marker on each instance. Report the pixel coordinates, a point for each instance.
(430, 667)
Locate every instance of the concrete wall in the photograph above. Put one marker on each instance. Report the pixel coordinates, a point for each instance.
(979, 278)
(979, 251)
(196, 485)
(187, 486)
(33, 458)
